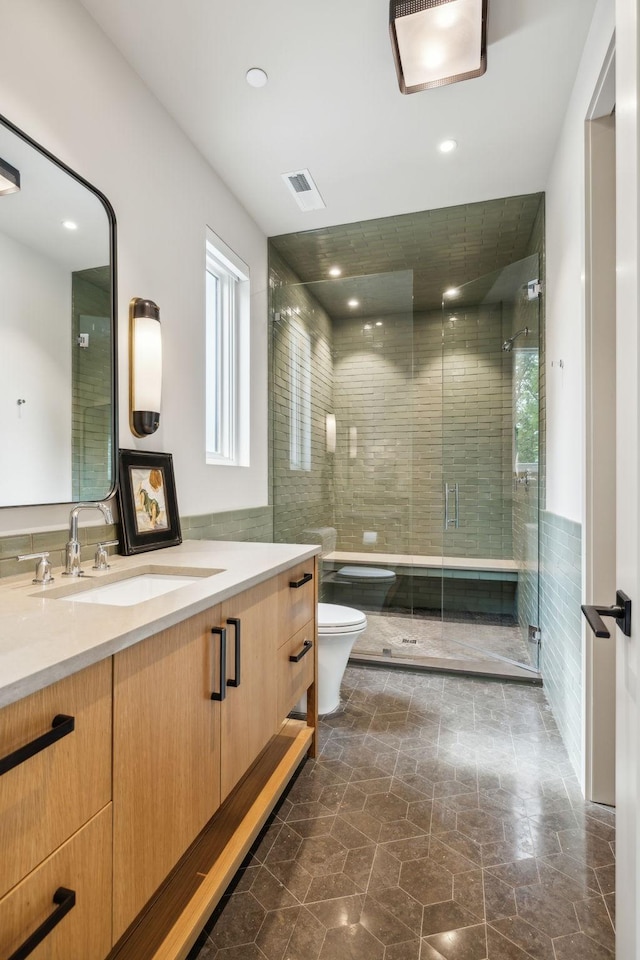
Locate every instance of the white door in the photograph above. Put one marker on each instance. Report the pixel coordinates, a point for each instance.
(627, 451)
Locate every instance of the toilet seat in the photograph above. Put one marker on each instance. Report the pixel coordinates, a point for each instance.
(334, 619)
(364, 574)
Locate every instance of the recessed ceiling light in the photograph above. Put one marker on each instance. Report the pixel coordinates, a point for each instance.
(353, 303)
(256, 77)
(448, 146)
(335, 272)
(452, 292)
(69, 225)
(378, 323)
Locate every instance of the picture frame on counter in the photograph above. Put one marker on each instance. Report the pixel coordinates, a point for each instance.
(149, 517)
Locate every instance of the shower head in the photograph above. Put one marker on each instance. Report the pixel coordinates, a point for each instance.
(507, 346)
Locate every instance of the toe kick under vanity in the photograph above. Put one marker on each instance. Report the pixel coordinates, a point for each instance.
(143, 745)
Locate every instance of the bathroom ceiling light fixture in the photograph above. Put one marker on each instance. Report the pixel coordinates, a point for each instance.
(436, 42)
(451, 293)
(335, 272)
(353, 303)
(256, 77)
(9, 178)
(69, 225)
(145, 365)
(448, 146)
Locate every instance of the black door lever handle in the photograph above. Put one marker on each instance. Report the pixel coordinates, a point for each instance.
(621, 612)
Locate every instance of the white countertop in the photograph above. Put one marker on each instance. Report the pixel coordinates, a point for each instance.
(44, 638)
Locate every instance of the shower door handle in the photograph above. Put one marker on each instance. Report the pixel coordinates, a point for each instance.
(453, 521)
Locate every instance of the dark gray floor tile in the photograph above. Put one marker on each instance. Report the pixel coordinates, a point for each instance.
(445, 916)
(351, 943)
(421, 820)
(580, 946)
(595, 922)
(469, 943)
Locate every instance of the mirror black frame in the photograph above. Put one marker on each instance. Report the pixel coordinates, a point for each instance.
(111, 218)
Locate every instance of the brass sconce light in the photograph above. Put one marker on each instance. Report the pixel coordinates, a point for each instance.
(9, 178)
(436, 42)
(145, 364)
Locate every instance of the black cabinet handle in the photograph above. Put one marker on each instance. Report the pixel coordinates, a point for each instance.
(294, 584)
(621, 612)
(235, 622)
(306, 646)
(222, 633)
(61, 725)
(65, 901)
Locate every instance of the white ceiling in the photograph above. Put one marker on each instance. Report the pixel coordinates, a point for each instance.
(332, 103)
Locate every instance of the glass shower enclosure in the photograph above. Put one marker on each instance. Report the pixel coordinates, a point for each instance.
(405, 442)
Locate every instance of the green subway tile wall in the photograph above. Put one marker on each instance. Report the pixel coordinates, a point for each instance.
(561, 625)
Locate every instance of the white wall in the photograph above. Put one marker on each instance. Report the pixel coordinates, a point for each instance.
(64, 84)
(565, 295)
(35, 366)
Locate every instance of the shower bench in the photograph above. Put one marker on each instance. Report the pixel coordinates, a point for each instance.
(473, 585)
(463, 568)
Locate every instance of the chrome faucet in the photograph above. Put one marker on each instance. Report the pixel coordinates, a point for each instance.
(73, 568)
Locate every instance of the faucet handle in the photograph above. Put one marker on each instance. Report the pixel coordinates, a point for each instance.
(43, 566)
(102, 557)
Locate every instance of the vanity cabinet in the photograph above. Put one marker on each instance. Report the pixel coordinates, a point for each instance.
(131, 791)
(166, 755)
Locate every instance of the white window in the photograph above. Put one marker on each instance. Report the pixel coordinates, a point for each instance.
(300, 397)
(227, 352)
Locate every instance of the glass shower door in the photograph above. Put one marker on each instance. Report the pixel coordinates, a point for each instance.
(490, 444)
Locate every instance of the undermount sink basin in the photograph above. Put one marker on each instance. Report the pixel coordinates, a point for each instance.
(126, 590)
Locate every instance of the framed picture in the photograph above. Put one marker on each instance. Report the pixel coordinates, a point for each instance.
(149, 516)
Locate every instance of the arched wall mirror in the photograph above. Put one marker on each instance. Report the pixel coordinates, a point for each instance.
(57, 330)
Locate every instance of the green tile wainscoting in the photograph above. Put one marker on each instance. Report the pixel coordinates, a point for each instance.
(254, 524)
(561, 626)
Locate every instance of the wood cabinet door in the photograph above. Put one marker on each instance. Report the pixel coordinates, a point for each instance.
(166, 763)
(65, 903)
(45, 796)
(250, 710)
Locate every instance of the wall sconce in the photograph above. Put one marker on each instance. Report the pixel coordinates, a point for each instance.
(9, 178)
(436, 42)
(145, 364)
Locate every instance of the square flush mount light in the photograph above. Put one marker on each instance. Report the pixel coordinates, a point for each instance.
(9, 178)
(436, 42)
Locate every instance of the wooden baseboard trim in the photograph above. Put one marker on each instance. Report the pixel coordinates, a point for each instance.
(170, 924)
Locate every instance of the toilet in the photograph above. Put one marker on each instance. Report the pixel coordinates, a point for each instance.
(338, 629)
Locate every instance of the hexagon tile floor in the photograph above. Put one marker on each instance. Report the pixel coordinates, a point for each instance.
(442, 821)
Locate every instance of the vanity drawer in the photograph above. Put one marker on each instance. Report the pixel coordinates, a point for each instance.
(78, 875)
(296, 598)
(46, 797)
(294, 676)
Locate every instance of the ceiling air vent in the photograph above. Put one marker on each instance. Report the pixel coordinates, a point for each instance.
(304, 190)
